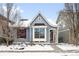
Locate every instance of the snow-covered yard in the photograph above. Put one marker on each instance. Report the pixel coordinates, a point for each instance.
(66, 47)
(24, 47)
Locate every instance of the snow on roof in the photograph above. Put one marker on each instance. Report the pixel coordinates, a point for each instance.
(26, 23)
(51, 23)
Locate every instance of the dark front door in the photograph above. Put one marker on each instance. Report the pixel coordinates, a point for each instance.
(51, 36)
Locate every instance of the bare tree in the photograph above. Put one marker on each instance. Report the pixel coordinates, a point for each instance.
(71, 17)
(11, 15)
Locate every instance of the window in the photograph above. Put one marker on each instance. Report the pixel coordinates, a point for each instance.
(21, 33)
(39, 33)
(62, 25)
(39, 24)
(36, 33)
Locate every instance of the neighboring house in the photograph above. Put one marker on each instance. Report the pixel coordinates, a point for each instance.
(3, 25)
(63, 30)
(37, 30)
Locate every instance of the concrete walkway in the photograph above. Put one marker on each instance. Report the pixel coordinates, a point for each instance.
(57, 49)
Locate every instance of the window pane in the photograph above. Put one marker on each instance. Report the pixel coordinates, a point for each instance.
(36, 32)
(39, 24)
(42, 32)
(39, 33)
(21, 33)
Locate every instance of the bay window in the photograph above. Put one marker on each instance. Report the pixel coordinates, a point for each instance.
(39, 33)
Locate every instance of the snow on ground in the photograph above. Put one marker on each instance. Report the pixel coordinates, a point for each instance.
(68, 47)
(26, 48)
(40, 54)
(38, 47)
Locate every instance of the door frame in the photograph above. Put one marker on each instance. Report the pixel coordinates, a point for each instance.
(53, 35)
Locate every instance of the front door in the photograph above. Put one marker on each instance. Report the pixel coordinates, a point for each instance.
(51, 36)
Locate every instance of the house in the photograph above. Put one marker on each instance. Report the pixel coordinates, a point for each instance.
(37, 30)
(3, 24)
(63, 30)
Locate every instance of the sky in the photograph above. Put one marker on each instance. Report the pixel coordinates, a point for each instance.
(49, 10)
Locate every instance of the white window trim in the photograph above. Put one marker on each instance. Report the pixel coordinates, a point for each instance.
(39, 39)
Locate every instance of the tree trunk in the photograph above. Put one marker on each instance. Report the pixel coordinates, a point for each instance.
(7, 43)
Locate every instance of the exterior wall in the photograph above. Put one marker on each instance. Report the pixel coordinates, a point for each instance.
(31, 34)
(64, 36)
(21, 39)
(47, 35)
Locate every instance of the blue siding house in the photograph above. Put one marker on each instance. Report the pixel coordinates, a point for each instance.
(37, 30)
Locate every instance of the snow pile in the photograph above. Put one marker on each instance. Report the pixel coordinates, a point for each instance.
(3, 48)
(68, 47)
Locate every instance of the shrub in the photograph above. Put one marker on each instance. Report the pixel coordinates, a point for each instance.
(2, 40)
(61, 40)
(10, 42)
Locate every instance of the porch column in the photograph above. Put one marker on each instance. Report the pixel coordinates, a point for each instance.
(30, 34)
(56, 35)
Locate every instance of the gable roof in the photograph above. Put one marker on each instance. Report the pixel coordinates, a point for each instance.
(49, 22)
(39, 14)
(59, 16)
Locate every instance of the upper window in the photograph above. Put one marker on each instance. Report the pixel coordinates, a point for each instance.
(39, 33)
(39, 24)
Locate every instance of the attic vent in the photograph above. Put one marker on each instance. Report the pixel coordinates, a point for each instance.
(23, 19)
(39, 24)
